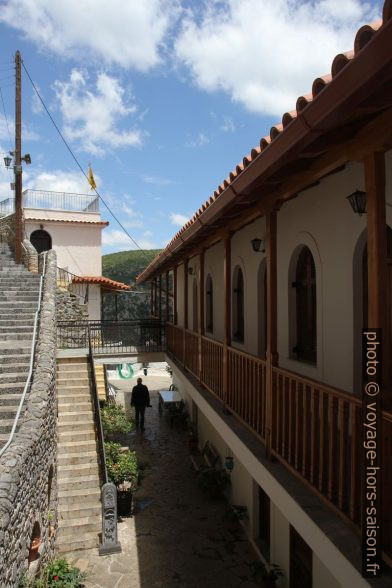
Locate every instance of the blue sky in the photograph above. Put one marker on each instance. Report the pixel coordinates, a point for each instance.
(164, 97)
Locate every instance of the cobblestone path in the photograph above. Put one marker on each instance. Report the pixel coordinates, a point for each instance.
(177, 537)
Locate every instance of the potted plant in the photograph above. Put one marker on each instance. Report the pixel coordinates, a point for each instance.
(115, 424)
(55, 573)
(124, 471)
(214, 482)
(266, 577)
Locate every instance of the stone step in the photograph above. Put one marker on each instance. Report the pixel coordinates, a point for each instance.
(72, 471)
(74, 398)
(6, 425)
(73, 367)
(67, 407)
(17, 322)
(80, 510)
(83, 426)
(7, 313)
(77, 496)
(4, 438)
(66, 447)
(73, 459)
(13, 377)
(66, 383)
(10, 399)
(19, 282)
(78, 483)
(68, 436)
(68, 543)
(8, 412)
(20, 296)
(11, 387)
(80, 417)
(10, 359)
(78, 527)
(12, 336)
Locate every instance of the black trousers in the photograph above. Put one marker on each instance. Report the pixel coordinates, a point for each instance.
(139, 416)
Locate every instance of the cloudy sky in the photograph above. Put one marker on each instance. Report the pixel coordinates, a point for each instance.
(164, 97)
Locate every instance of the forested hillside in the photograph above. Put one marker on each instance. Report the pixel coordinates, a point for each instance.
(124, 267)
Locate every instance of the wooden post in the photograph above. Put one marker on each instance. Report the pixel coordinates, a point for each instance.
(377, 253)
(152, 299)
(175, 316)
(185, 308)
(160, 298)
(201, 310)
(18, 160)
(167, 296)
(272, 354)
(227, 314)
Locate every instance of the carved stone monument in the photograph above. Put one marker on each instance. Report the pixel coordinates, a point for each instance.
(109, 544)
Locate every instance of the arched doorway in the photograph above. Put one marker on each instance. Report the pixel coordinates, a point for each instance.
(41, 240)
(306, 310)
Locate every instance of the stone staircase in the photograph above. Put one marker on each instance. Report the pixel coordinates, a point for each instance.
(19, 292)
(78, 471)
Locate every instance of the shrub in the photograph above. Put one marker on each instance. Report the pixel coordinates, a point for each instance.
(56, 573)
(122, 467)
(114, 420)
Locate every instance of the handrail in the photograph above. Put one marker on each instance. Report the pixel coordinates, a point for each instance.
(32, 356)
(97, 412)
(81, 289)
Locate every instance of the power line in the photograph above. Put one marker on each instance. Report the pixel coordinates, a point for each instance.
(80, 167)
(5, 116)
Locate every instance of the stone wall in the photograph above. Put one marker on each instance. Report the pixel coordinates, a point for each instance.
(30, 256)
(7, 230)
(69, 307)
(28, 484)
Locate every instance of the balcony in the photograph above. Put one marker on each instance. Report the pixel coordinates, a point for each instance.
(48, 200)
(313, 429)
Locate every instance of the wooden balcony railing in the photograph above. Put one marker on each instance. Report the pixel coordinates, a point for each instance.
(316, 429)
(246, 389)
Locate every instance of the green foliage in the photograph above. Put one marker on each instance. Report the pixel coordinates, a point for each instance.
(214, 482)
(125, 266)
(114, 420)
(56, 573)
(122, 467)
(260, 572)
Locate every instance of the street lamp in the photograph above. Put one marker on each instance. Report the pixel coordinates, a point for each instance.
(258, 245)
(7, 161)
(358, 202)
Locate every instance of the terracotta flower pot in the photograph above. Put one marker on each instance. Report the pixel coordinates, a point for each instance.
(33, 552)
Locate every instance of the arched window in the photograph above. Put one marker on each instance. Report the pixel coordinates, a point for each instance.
(238, 305)
(41, 240)
(195, 307)
(209, 305)
(305, 304)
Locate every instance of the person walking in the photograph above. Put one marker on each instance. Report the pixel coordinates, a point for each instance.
(140, 399)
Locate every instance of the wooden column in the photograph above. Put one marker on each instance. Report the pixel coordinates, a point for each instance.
(185, 307)
(377, 253)
(175, 315)
(152, 299)
(227, 314)
(272, 354)
(201, 309)
(160, 298)
(167, 296)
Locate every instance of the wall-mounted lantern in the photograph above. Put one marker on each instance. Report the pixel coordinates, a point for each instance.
(358, 202)
(258, 245)
(229, 463)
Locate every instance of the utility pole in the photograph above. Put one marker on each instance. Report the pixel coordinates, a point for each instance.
(17, 158)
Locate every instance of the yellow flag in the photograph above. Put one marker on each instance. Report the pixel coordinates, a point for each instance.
(91, 180)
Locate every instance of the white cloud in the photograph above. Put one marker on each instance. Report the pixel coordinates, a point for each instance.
(59, 181)
(199, 141)
(28, 134)
(147, 234)
(228, 125)
(90, 115)
(265, 53)
(117, 239)
(157, 181)
(178, 219)
(128, 34)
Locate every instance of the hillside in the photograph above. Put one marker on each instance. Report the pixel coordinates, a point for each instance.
(124, 266)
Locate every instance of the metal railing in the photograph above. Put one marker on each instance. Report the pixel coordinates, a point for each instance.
(66, 281)
(97, 411)
(31, 365)
(53, 201)
(110, 337)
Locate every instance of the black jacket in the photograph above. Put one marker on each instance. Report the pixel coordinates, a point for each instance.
(140, 396)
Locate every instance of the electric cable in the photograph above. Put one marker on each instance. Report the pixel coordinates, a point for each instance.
(5, 117)
(80, 167)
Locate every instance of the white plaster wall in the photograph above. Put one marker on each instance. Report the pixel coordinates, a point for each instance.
(78, 247)
(213, 265)
(94, 302)
(280, 543)
(51, 214)
(322, 577)
(284, 508)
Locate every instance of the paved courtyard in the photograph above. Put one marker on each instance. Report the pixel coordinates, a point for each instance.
(177, 537)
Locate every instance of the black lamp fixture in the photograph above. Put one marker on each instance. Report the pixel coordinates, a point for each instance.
(26, 158)
(258, 245)
(7, 161)
(358, 202)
